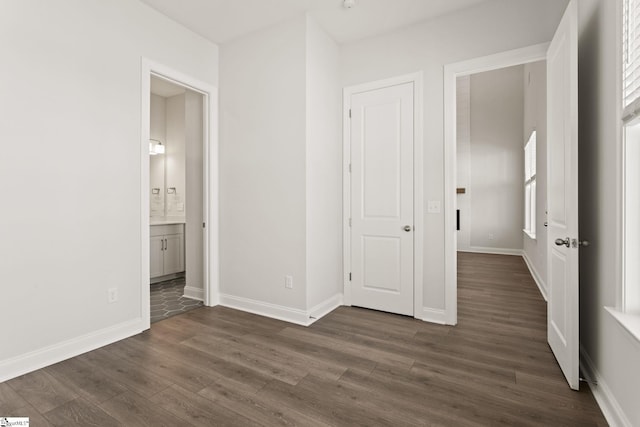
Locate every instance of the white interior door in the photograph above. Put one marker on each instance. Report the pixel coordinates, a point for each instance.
(562, 170)
(382, 134)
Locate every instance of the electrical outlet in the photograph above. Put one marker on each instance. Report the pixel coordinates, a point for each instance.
(288, 282)
(112, 295)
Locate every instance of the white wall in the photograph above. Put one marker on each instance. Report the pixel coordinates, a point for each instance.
(463, 159)
(194, 178)
(175, 157)
(535, 118)
(324, 167)
(263, 167)
(428, 47)
(496, 175)
(613, 353)
(71, 69)
(281, 180)
(157, 131)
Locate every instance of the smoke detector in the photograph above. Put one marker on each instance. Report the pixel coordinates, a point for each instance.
(348, 4)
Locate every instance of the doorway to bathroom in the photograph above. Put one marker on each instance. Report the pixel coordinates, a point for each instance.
(175, 203)
(179, 196)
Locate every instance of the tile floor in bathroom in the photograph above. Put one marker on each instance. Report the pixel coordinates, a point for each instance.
(167, 299)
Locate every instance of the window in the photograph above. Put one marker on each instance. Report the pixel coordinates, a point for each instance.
(530, 186)
(628, 311)
(631, 153)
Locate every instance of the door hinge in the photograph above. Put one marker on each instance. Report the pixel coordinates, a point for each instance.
(349, 276)
(349, 167)
(204, 225)
(349, 222)
(349, 112)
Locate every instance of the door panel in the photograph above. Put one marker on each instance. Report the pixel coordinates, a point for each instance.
(156, 253)
(381, 160)
(174, 254)
(381, 276)
(382, 199)
(562, 172)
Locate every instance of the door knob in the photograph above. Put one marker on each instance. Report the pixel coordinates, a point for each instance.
(407, 228)
(566, 242)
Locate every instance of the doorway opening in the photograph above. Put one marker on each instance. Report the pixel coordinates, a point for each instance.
(179, 203)
(176, 199)
(458, 168)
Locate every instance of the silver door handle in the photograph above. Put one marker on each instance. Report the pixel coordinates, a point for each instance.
(165, 244)
(566, 242)
(407, 228)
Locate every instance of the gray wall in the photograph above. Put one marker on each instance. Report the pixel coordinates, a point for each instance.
(535, 118)
(611, 351)
(497, 160)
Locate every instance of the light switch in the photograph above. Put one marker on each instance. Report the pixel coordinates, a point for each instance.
(433, 206)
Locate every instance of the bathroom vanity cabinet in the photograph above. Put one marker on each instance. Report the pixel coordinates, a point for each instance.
(167, 249)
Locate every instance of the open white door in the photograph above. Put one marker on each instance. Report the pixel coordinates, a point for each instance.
(562, 196)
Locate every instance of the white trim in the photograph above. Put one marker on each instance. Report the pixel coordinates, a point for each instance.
(607, 402)
(620, 147)
(194, 293)
(346, 196)
(327, 306)
(542, 286)
(32, 361)
(434, 315)
(451, 72)
(261, 308)
(418, 181)
(493, 251)
(210, 184)
(629, 322)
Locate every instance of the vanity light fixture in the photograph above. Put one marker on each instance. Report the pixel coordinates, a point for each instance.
(155, 148)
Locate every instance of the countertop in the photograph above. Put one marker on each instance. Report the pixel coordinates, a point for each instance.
(166, 221)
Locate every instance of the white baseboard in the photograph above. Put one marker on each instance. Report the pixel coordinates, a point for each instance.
(542, 286)
(38, 359)
(159, 279)
(325, 307)
(287, 314)
(494, 251)
(194, 293)
(434, 315)
(602, 393)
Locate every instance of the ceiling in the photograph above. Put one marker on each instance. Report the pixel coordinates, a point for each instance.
(224, 20)
(164, 88)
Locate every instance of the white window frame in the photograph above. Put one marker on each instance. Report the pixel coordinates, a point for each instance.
(530, 185)
(627, 310)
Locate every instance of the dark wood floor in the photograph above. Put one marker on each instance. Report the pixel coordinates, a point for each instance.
(217, 366)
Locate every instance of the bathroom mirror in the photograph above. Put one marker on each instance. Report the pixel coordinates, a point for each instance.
(168, 133)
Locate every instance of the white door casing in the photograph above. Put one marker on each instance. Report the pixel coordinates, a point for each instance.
(562, 195)
(382, 226)
(451, 73)
(210, 184)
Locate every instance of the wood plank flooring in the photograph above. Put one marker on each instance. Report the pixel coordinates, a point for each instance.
(354, 367)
